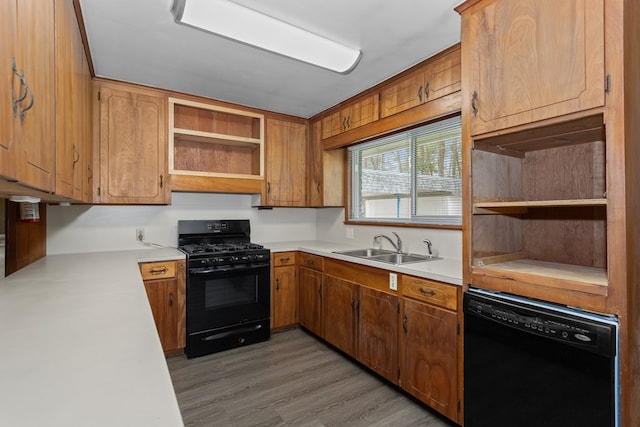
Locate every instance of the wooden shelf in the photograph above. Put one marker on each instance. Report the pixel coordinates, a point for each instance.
(522, 206)
(591, 280)
(214, 138)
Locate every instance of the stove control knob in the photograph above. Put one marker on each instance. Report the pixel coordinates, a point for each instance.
(235, 258)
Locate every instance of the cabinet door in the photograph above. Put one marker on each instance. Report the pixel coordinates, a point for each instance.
(286, 163)
(285, 297)
(314, 165)
(163, 297)
(325, 173)
(532, 59)
(360, 113)
(378, 332)
(310, 300)
(430, 362)
(406, 93)
(9, 88)
(340, 298)
(133, 146)
(332, 125)
(443, 76)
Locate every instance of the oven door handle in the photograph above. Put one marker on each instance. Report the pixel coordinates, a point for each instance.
(243, 267)
(229, 333)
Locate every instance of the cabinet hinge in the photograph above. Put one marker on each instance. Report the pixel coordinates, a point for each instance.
(98, 191)
(398, 374)
(398, 308)
(98, 95)
(458, 328)
(459, 405)
(607, 83)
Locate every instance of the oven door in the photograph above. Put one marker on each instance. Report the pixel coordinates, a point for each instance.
(227, 296)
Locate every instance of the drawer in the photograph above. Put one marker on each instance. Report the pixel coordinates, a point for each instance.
(284, 258)
(436, 293)
(158, 270)
(310, 261)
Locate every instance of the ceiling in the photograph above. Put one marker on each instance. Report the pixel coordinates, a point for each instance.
(138, 41)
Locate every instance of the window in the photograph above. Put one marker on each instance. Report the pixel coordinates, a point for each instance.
(410, 177)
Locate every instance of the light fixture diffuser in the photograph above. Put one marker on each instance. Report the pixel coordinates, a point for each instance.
(239, 23)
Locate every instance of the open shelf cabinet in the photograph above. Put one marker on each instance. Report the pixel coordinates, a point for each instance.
(214, 141)
(539, 208)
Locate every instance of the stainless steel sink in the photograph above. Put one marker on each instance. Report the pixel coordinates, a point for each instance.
(396, 258)
(389, 257)
(365, 253)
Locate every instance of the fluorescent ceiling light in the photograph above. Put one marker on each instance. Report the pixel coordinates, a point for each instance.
(248, 26)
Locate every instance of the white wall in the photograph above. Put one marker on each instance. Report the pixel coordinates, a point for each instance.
(80, 228)
(330, 227)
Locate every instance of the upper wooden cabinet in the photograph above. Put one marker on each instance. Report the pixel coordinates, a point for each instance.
(432, 80)
(215, 147)
(285, 183)
(531, 60)
(74, 145)
(325, 171)
(27, 123)
(132, 145)
(350, 116)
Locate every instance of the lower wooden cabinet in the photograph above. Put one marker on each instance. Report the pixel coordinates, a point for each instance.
(429, 345)
(165, 283)
(284, 290)
(340, 313)
(310, 294)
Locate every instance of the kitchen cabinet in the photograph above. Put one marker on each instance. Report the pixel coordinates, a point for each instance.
(352, 115)
(132, 145)
(213, 147)
(361, 315)
(284, 290)
(429, 344)
(165, 284)
(340, 313)
(74, 145)
(433, 79)
(325, 182)
(310, 293)
(531, 60)
(285, 183)
(27, 123)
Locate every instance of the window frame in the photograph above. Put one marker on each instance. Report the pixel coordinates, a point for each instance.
(419, 221)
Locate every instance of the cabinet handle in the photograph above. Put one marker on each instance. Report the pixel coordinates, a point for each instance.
(320, 293)
(426, 91)
(310, 262)
(76, 157)
(420, 93)
(427, 292)
(404, 323)
(474, 107)
(285, 259)
(344, 124)
(170, 299)
(28, 107)
(268, 187)
(158, 270)
(318, 187)
(161, 181)
(348, 122)
(277, 284)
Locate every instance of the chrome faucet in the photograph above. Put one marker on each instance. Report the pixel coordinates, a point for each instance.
(428, 243)
(397, 246)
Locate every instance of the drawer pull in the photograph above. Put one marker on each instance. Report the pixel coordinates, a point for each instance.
(285, 259)
(158, 270)
(427, 292)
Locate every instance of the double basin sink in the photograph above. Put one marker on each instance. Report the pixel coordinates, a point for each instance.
(389, 257)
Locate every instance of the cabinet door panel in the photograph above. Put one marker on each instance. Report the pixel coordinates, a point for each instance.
(405, 94)
(378, 332)
(132, 147)
(534, 59)
(429, 368)
(8, 84)
(340, 299)
(163, 296)
(310, 299)
(286, 160)
(285, 297)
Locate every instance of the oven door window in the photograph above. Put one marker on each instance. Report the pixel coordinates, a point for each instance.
(220, 299)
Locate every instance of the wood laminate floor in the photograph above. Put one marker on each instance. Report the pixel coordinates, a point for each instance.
(291, 380)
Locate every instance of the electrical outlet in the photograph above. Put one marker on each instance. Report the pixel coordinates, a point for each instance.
(140, 234)
(349, 233)
(393, 281)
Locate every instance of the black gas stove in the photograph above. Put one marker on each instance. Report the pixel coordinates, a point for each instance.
(228, 285)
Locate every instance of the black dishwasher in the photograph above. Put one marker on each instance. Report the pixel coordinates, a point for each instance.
(529, 363)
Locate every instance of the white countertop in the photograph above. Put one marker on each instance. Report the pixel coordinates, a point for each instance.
(79, 345)
(447, 270)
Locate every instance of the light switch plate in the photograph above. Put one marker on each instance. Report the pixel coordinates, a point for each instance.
(393, 281)
(349, 233)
